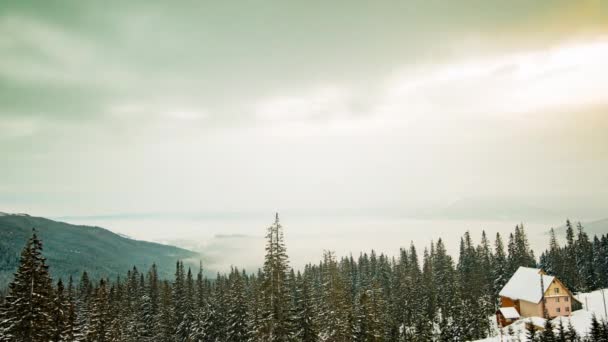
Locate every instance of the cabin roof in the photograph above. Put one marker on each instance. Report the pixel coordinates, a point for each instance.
(525, 285)
(509, 313)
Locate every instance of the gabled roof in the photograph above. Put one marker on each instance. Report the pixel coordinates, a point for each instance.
(509, 313)
(525, 285)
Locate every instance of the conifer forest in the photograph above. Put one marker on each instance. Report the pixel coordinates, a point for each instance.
(427, 296)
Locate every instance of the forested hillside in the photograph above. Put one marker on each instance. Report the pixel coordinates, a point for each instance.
(368, 298)
(71, 249)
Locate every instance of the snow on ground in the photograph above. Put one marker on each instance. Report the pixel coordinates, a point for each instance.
(593, 303)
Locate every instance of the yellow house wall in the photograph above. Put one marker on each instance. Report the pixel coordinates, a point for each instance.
(529, 309)
(560, 299)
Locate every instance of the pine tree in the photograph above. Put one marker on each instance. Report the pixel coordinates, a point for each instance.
(520, 253)
(547, 335)
(275, 287)
(571, 334)
(552, 263)
(186, 327)
(119, 314)
(335, 311)
(305, 328)
(83, 303)
(237, 312)
(584, 261)
(499, 266)
(164, 328)
(256, 310)
(27, 314)
(369, 314)
(596, 332)
(599, 264)
(569, 268)
(484, 252)
(72, 330)
(99, 330)
(59, 315)
(561, 332)
(531, 332)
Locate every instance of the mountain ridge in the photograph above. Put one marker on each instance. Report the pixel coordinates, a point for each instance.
(71, 249)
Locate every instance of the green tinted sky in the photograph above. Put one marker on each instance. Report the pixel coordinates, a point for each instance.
(152, 106)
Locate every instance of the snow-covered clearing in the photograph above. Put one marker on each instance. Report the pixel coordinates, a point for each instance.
(593, 303)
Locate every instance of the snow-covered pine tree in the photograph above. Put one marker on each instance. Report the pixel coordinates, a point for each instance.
(531, 333)
(424, 319)
(523, 254)
(571, 333)
(216, 326)
(547, 335)
(335, 316)
(59, 314)
(499, 266)
(26, 315)
(369, 315)
(186, 327)
(599, 264)
(596, 332)
(99, 329)
(584, 260)
(238, 329)
(561, 332)
(153, 293)
(444, 279)
(200, 306)
(163, 327)
(275, 289)
(305, 328)
(83, 302)
(72, 332)
(569, 274)
(553, 263)
(484, 253)
(118, 315)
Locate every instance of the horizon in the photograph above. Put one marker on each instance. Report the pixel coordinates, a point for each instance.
(240, 242)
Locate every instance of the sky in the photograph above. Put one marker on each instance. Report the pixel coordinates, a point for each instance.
(343, 108)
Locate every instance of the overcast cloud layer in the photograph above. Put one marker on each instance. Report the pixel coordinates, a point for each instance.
(383, 108)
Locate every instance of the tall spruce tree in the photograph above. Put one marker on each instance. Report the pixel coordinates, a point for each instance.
(99, 330)
(275, 288)
(27, 313)
(60, 315)
(584, 261)
(569, 274)
(305, 327)
(335, 316)
(499, 266)
(238, 329)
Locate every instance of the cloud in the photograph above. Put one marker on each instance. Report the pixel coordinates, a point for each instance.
(527, 85)
(570, 74)
(319, 103)
(18, 127)
(36, 51)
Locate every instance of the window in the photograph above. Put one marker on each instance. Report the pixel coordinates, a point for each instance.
(556, 290)
(557, 299)
(567, 309)
(558, 310)
(567, 299)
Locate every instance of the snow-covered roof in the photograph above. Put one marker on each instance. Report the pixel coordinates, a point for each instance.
(525, 285)
(509, 313)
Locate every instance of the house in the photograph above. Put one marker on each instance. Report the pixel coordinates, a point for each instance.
(522, 297)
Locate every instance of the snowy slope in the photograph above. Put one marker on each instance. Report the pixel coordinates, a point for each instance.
(581, 319)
